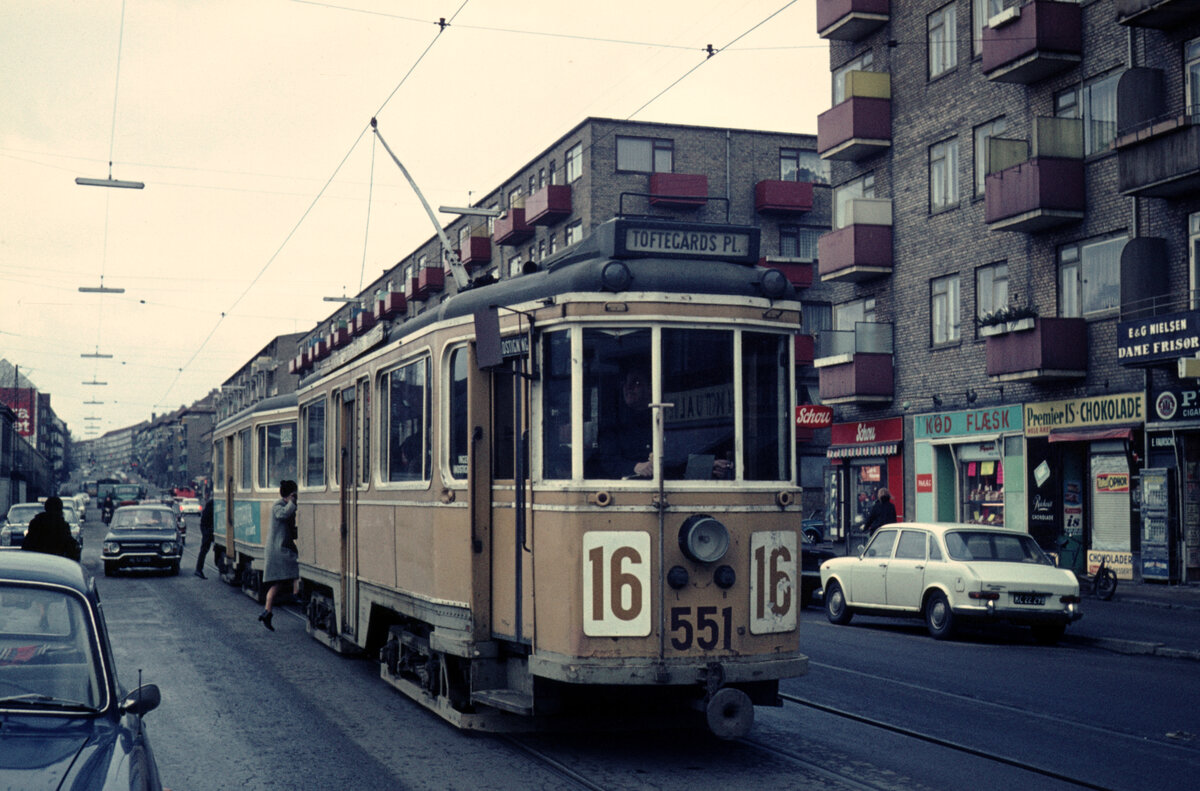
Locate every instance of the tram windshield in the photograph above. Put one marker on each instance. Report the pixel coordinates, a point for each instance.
(726, 389)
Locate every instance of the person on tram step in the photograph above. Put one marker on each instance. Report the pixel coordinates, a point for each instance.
(283, 558)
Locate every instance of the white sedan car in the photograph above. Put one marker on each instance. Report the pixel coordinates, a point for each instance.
(947, 573)
(190, 505)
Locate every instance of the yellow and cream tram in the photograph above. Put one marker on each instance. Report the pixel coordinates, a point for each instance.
(568, 494)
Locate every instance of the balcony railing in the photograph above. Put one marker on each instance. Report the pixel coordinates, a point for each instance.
(1025, 44)
(511, 228)
(798, 271)
(1031, 194)
(1052, 349)
(805, 349)
(548, 205)
(678, 190)
(476, 251)
(862, 249)
(856, 366)
(1159, 14)
(860, 126)
(1160, 158)
(783, 197)
(850, 20)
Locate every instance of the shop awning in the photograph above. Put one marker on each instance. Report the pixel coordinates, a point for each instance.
(857, 451)
(1089, 434)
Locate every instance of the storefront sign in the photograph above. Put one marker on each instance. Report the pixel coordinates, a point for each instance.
(868, 432)
(1164, 337)
(997, 420)
(1040, 418)
(813, 416)
(1113, 482)
(23, 402)
(1120, 562)
(1178, 402)
(925, 483)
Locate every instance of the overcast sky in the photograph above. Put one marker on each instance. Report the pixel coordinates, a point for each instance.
(248, 121)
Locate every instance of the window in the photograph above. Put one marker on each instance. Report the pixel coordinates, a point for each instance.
(766, 431)
(218, 462)
(1191, 65)
(911, 546)
(645, 155)
(556, 406)
(541, 178)
(798, 164)
(573, 233)
(991, 289)
(572, 162)
(983, 133)
(553, 246)
(459, 434)
(514, 266)
(943, 309)
(981, 12)
(816, 316)
(863, 187)
(943, 176)
(491, 221)
(276, 454)
(1096, 104)
(514, 199)
(798, 242)
(861, 63)
(532, 184)
(847, 314)
(1194, 259)
(943, 40)
(246, 459)
(552, 175)
(406, 400)
(313, 420)
(1089, 277)
(464, 237)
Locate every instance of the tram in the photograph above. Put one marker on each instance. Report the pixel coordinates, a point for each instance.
(565, 496)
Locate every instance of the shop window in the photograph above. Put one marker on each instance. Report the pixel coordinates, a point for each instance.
(983, 492)
(866, 480)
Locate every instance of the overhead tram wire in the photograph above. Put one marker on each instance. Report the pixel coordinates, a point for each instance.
(441, 29)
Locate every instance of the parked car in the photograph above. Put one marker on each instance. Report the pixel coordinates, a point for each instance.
(74, 516)
(142, 535)
(950, 573)
(190, 505)
(812, 557)
(12, 533)
(814, 529)
(67, 721)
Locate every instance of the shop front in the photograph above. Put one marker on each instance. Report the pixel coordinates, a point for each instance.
(864, 456)
(1171, 483)
(1082, 467)
(970, 467)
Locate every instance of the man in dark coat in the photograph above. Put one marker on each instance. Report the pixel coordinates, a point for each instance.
(882, 513)
(206, 536)
(48, 532)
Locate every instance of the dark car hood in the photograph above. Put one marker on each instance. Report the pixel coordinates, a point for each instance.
(142, 534)
(45, 752)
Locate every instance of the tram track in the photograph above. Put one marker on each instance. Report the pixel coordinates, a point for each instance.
(941, 742)
(558, 767)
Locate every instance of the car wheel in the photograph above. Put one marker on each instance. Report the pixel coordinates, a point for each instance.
(110, 568)
(814, 536)
(939, 618)
(1048, 633)
(835, 605)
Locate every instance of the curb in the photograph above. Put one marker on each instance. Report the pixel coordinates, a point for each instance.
(1141, 648)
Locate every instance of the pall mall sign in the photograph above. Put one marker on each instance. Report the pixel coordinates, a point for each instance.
(1166, 337)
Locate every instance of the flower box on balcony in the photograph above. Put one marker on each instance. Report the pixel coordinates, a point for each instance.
(548, 205)
(678, 190)
(783, 197)
(1004, 327)
(389, 305)
(512, 229)
(1054, 348)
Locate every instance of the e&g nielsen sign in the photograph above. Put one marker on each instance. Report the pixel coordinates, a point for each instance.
(1166, 337)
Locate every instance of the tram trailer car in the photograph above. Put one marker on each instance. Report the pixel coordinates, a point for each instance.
(473, 514)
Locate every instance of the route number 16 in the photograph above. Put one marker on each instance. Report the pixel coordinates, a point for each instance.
(616, 584)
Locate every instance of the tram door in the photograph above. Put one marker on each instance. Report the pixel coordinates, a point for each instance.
(352, 426)
(511, 562)
(227, 470)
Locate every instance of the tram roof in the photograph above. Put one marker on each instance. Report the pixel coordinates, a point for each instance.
(285, 401)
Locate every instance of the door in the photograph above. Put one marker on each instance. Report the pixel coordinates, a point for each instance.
(509, 478)
(906, 572)
(349, 444)
(868, 577)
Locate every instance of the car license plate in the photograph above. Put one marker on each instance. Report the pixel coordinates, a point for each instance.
(1034, 599)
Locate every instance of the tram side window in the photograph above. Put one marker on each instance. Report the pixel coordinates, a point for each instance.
(408, 422)
(617, 425)
(697, 377)
(246, 459)
(556, 407)
(276, 454)
(218, 463)
(460, 435)
(506, 379)
(766, 424)
(314, 443)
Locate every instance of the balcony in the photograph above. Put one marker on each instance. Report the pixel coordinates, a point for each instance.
(1051, 349)
(476, 252)
(339, 336)
(850, 20)
(511, 229)
(855, 366)
(1158, 152)
(1026, 44)
(678, 190)
(862, 249)
(798, 271)
(1159, 14)
(363, 321)
(548, 205)
(783, 197)
(861, 125)
(390, 304)
(805, 349)
(1043, 193)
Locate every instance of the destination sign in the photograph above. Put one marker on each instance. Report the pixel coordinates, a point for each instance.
(636, 238)
(515, 346)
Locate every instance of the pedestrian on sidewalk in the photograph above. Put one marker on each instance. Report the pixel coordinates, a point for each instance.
(206, 536)
(283, 559)
(882, 513)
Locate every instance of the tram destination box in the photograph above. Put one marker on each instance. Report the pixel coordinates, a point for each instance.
(639, 238)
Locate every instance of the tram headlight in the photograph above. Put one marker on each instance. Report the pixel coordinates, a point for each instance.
(703, 539)
(773, 283)
(615, 276)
